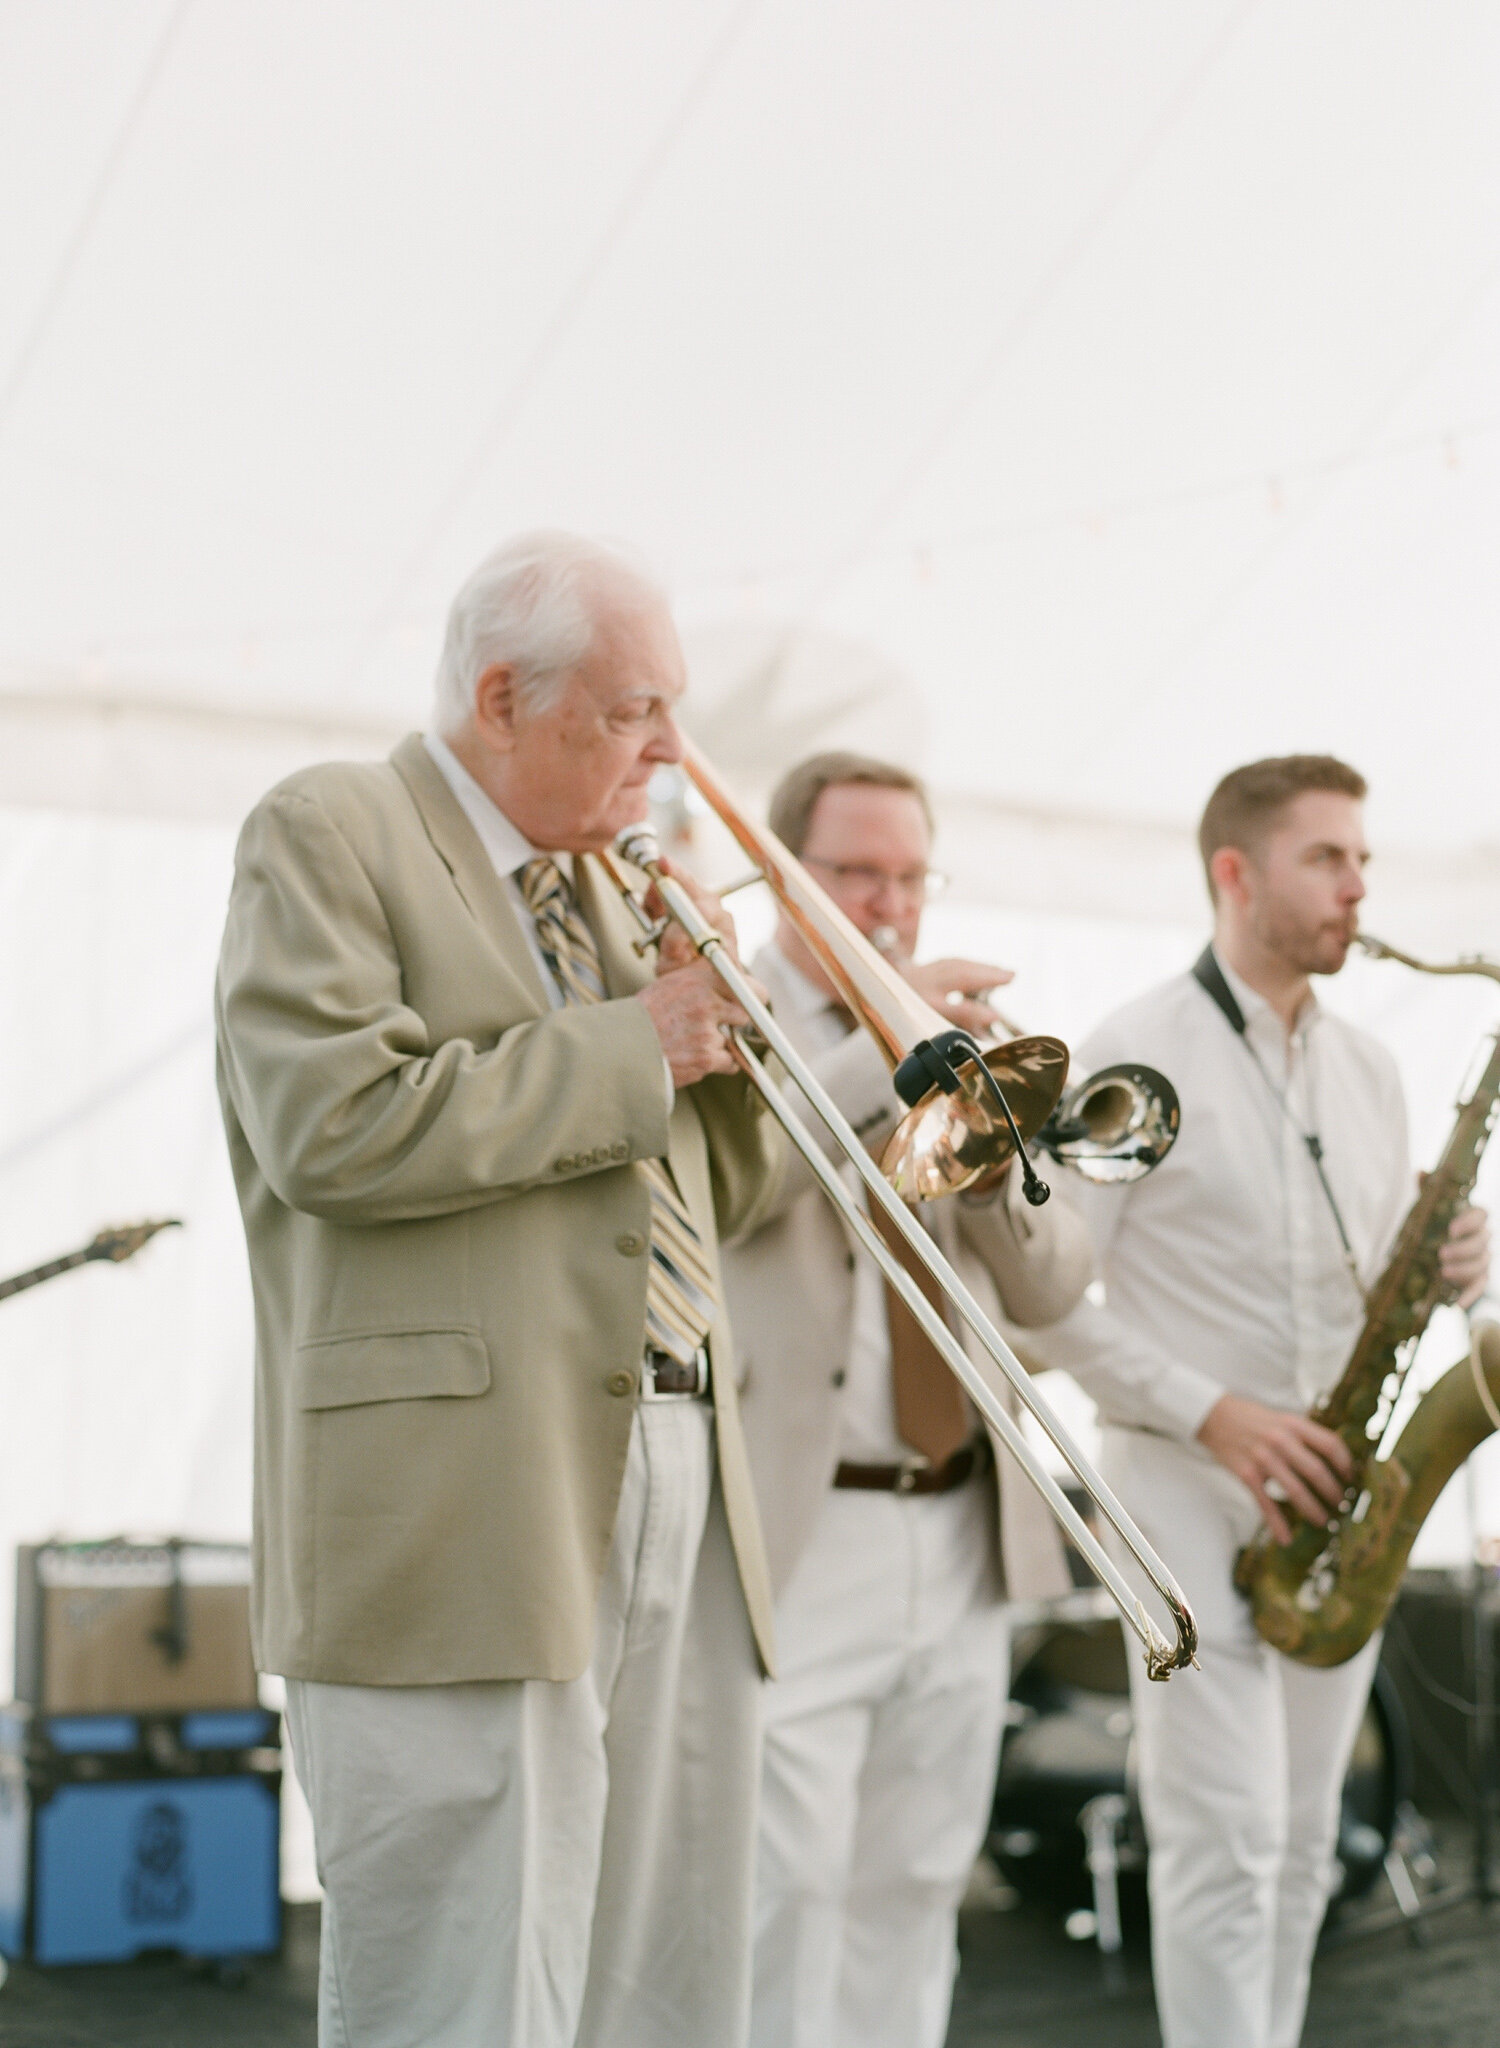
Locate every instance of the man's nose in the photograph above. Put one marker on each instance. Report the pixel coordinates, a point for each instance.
(666, 743)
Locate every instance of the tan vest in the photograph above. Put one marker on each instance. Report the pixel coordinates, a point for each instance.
(791, 1294)
(447, 1237)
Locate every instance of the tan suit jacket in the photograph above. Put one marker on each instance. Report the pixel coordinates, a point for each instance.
(791, 1294)
(447, 1237)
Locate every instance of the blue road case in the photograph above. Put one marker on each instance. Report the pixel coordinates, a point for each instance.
(121, 1833)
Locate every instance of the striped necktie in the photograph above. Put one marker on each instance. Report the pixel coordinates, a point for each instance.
(681, 1298)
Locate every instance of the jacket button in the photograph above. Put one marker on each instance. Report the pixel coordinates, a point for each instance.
(620, 1150)
(631, 1243)
(563, 1165)
(849, 1260)
(621, 1382)
(839, 1377)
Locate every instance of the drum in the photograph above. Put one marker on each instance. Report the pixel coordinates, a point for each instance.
(1068, 1741)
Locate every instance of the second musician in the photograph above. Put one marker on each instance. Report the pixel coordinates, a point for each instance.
(878, 1493)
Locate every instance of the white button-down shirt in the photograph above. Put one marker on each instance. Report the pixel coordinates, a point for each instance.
(509, 850)
(868, 1434)
(867, 1411)
(1223, 1270)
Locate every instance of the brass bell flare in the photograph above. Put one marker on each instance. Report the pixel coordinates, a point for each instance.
(947, 1142)
(1115, 1126)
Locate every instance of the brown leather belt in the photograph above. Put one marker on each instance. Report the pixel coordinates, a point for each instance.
(665, 1378)
(917, 1476)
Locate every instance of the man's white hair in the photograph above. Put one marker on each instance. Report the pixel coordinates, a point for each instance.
(534, 606)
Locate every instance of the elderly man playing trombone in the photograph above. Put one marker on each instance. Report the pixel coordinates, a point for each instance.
(891, 1548)
(507, 1553)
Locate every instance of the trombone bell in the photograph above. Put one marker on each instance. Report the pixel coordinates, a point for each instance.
(1115, 1126)
(947, 1142)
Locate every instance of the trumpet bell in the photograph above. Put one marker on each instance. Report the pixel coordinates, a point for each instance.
(948, 1142)
(1115, 1126)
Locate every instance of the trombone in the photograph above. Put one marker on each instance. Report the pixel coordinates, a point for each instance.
(961, 1123)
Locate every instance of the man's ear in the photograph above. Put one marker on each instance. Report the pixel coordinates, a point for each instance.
(1228, 868)
(495, 708)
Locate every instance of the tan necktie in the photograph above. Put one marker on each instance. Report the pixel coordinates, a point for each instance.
(681, 1299)
(930, 1411)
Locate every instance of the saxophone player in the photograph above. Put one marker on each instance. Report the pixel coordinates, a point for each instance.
(1234, 1280)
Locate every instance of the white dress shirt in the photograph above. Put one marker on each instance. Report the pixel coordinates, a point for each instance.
(509, 850)
(1223, 1270)
(868, 1434)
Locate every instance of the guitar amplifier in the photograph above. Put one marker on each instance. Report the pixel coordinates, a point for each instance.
(124, 1833)
(133, 1627)
(1441, 1635)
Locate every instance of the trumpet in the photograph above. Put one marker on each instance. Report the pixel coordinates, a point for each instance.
(968, 1111)
(1112, 1128)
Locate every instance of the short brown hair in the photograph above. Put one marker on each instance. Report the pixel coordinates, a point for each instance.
(1247, 803)
(795, 797)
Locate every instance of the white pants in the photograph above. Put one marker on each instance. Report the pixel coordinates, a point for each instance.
(882, 1736)
(534, 1865)
(1241, 1767)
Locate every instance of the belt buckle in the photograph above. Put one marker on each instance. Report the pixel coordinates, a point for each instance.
(651, 1392)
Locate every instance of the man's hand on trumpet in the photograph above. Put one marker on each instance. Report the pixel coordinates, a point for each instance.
(957, 989)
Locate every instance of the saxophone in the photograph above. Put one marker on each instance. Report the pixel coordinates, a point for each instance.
(1320, 1597)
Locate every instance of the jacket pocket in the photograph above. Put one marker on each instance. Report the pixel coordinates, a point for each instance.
(389, 1365)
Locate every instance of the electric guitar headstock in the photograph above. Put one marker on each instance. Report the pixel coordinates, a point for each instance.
(125, 1239)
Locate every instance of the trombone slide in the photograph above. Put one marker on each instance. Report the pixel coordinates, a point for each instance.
(638, 846)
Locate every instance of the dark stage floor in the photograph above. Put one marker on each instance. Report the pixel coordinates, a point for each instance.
(1023, 1985)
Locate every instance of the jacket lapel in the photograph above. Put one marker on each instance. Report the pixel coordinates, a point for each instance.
(458, 847)
(613, 927)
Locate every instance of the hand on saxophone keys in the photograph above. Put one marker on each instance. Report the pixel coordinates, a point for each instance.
(1464, 1255)
(1283, 1458)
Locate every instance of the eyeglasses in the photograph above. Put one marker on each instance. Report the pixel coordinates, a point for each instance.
(858, 879)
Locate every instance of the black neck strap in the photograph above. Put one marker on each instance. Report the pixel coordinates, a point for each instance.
(1209, 976)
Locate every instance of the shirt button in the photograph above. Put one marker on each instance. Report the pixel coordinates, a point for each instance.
(564, 1165)
(620, 1150)
(631, 1243)
(839, 1377)
(621, 1382)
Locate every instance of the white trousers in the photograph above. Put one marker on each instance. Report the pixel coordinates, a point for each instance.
(538, 1865)
(882, 1736)
(1241, 1766)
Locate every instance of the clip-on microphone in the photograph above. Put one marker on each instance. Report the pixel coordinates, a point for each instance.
(930, 1064)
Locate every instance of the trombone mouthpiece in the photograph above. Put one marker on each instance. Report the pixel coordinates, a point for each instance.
(639, 845)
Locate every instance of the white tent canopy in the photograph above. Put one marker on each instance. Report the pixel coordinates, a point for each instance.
(1074, 399)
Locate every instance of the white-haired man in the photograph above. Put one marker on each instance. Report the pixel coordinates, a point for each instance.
(507, 1554)
(1235, 1277)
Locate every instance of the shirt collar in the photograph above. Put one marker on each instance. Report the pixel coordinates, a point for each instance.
(1254, 1007)
(507, 846)
(802, 995)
